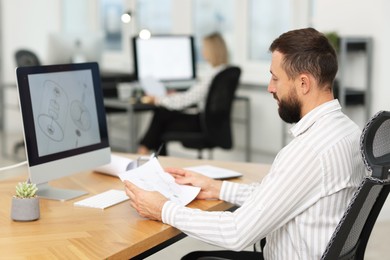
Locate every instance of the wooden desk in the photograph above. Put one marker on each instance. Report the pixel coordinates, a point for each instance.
(68, 232)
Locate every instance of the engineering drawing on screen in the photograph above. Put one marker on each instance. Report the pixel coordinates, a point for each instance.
(50, 120)
(65, 116)
(80, 115)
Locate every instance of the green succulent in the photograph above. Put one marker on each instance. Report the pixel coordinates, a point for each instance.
(26, 190)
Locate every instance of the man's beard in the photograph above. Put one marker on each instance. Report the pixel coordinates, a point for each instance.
(290, 109)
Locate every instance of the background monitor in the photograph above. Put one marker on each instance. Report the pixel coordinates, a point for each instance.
(66, 48)
(64, 123)
(164, 57)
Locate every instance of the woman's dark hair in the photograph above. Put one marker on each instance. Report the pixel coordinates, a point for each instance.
(307, 50)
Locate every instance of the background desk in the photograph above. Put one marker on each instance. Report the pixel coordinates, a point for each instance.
(68, 232)
(130, 108)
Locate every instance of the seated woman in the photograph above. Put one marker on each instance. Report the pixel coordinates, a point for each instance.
(171, 113)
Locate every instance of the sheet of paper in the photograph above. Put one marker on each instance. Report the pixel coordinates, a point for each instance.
(153, 87)
(118, 164)
(151, 176)
(214, 172)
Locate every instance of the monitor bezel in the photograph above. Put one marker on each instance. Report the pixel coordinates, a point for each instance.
(193, 55)
(25, 102)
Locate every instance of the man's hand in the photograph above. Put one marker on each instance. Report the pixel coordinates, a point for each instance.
(210, 188)
(148, 204)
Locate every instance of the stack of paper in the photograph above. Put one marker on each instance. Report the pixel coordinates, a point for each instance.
(152, 177)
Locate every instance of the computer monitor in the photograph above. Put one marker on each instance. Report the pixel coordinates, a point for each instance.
(64, 123)
(66, 48)
(167, 58)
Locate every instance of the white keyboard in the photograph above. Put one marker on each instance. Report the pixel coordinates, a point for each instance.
(103, 200)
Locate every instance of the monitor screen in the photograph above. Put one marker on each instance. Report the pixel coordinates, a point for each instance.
(66, 48)
(164, 57)
(64, 122)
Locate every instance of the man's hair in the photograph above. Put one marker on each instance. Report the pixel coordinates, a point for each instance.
(307, 51)
(218, 49)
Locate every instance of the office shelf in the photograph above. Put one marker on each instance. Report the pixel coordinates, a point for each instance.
(352, 97)
(351, 50)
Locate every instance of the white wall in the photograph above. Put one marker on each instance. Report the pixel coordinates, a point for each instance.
(26, 24)
(362, 18)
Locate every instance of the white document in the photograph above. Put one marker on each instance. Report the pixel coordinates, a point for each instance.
(151, 176)
(117, 165)
(214, 172)
(153, 87)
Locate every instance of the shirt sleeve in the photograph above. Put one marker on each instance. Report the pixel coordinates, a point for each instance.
(264, 208)
(236, 193)
(195, 95)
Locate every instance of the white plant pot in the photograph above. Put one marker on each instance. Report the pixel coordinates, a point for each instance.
(25, 209)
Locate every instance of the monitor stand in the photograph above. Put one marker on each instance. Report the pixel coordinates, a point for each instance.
(47, 192)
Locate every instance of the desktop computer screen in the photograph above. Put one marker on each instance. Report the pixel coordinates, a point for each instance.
(64, 123)
(66, 48)
(164, 58)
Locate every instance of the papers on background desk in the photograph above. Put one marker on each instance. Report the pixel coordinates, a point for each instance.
(151, 176)
(214, 172)
(153, 87)
(118, 164)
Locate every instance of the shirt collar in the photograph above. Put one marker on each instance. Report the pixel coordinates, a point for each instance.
(314, 115)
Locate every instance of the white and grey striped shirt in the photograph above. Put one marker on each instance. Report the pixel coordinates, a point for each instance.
(301, 200)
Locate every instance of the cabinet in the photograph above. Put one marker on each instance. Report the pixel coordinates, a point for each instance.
(355, 72)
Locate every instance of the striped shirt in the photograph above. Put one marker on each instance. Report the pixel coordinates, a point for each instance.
(298, 204)
(195, 95)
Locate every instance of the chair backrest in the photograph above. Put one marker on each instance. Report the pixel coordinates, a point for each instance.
(26, 58)
(216, 117)
(350, 238)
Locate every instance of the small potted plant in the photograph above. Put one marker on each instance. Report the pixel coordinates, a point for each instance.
(25, 204)
(334, 39)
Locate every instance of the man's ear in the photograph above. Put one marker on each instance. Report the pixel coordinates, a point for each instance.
(305, 83)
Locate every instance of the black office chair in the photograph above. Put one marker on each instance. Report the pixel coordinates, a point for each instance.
(216, 118)
(24, 58)
(350, 238)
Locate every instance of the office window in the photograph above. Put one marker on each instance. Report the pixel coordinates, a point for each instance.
(75, 15)
(213, 16)
(156, 16)
(111, 11)
(267, 20)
